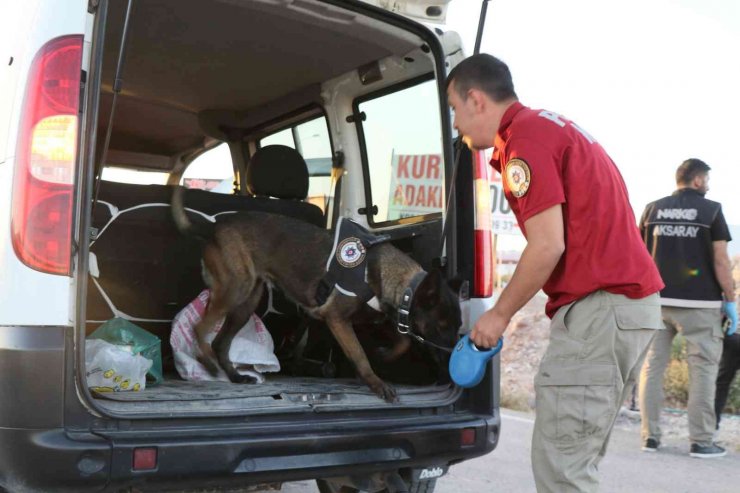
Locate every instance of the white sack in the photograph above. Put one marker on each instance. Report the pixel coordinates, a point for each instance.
(251, 346)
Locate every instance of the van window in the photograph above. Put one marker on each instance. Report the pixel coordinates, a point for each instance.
(403, 146)
(213, 171)
(135, 177)
(283, 137)
(311, 140)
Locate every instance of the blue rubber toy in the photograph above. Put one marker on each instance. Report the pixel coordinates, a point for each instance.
(468, 363)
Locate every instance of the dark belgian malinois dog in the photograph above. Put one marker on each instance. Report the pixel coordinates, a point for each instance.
(245, 250)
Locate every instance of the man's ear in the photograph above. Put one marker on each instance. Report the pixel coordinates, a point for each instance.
(478, 99)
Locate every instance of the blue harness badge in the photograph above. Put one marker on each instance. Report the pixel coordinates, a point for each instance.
(346, 268)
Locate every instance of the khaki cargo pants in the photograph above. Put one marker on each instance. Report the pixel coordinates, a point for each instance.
(702, 328)
(597, 346)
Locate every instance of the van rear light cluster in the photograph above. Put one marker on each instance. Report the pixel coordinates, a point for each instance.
(483, 248)
(46, 157)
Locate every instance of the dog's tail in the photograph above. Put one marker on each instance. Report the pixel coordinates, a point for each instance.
(203, 231)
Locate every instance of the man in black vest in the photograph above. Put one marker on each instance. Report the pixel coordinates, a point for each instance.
(687, 236)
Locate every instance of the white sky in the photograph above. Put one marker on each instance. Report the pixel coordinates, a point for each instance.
(655, 81)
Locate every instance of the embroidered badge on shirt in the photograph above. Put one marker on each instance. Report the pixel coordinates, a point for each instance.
(350, 252)
(517, 177)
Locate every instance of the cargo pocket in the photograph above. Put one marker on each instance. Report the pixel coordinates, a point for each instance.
(575, 401)
(638, 316)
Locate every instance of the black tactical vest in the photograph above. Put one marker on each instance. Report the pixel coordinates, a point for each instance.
(678, 231)
(346, 268)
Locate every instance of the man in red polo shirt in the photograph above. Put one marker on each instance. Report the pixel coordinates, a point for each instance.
(583, 249)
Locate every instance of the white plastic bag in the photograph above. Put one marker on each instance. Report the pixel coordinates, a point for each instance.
(251, 346)
(110, 368)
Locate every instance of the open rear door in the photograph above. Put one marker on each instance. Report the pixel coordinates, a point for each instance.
(420, 10)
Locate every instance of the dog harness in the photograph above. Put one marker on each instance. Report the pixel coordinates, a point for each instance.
(346, 268)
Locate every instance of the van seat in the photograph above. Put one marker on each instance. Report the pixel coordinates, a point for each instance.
(277, 178)
(149, 271)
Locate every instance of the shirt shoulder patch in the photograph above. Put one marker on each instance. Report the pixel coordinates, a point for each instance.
(518, 177)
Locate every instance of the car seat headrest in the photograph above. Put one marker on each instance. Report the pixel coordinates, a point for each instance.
(278, 171)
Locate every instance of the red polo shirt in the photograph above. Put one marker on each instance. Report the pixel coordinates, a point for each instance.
(545, 160)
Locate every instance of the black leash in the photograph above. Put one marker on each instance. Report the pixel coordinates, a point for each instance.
(428, 342)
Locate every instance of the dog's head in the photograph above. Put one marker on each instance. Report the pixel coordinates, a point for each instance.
(435, 310)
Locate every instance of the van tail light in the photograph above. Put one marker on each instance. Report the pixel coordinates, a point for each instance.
(483, 249)
(45, 158)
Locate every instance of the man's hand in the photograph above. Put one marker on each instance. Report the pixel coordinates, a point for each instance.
(488, 329)
(730, 309)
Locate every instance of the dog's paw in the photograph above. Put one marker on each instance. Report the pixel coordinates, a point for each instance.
(385, 392)
(239, 378)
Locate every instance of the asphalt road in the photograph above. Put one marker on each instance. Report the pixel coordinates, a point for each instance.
(624, 469)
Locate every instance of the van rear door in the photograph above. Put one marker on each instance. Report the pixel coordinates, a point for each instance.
(419, 10)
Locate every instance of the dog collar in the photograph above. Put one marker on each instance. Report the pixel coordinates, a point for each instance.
(404, 308)
(403, 323)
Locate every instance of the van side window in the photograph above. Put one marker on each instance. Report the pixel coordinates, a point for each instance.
(213, 171)
(403, 146)
(283, 137)
(311, 140)
(136, 177)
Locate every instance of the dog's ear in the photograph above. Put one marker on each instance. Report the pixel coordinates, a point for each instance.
(428, 293)
(455, 284)
(459, 287)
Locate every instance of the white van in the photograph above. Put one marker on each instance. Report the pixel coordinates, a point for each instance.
(111, 102)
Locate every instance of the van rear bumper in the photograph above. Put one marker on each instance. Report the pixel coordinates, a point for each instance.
(57, 460)
(50, 442)
(52, 460)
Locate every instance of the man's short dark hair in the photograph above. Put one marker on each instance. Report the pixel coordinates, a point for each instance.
(486, 73)
(690, 169)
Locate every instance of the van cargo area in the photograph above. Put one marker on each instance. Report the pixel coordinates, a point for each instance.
(198, 74)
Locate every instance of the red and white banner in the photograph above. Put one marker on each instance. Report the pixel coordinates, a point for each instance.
(417, 188)
(201, 183)
(417, 185)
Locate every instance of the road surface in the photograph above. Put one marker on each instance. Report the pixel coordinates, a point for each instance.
(624, 469)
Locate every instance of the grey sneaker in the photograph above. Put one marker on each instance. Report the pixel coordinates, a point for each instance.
(651, 445)
(707, 452)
